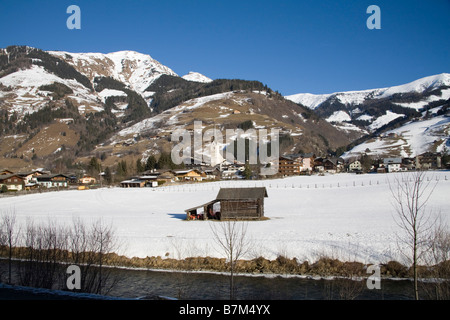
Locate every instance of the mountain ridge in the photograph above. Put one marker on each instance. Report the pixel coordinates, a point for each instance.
(66, 107)
(314, 101)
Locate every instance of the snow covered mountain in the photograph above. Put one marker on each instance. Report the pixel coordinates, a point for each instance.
(66, 106)
(223, 111)
(403, 120)
(79, 73)
(134, 69)
(407, 141)
(196, 77)
(60, 105)
(374, 110)
(420, 86)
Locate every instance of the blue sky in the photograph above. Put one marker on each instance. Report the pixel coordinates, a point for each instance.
(292, 46)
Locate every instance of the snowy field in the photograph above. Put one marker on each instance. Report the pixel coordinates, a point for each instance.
(345, 216)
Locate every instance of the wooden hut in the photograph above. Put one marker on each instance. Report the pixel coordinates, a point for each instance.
(232, 203)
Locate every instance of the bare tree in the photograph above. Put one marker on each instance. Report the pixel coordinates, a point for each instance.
(103, 243)
(40, 259)
(438, 261)
(9, 237)
(411, 193)
(231, 236)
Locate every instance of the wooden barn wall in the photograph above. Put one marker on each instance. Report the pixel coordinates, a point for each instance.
(241, 208)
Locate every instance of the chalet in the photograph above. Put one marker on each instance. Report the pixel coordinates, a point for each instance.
(408, 163)
(429, 160)
(232, 171)
(330, 165)
(151, 180)
(132, 183)
(288, 166)
(232, 203)
(87, 180)
(307, 162)
(212, 173)
(73, 179)
(189, 175)
(52, 180)
(381, 169)
(393, 164)
(355, 166)
(13, 182)
(28, 177)
(148, 179)
(318, 164)
(166, 176)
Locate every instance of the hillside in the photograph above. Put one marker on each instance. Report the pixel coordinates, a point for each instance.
(228, 110)
(58, 109)
(372, 109)
(404, 113)
(409, 140)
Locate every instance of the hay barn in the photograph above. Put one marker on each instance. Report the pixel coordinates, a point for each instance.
(232, 203)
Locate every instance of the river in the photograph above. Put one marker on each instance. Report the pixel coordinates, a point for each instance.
(205, 286)
(148, 284)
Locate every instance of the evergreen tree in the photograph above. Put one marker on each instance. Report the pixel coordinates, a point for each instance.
(164, 161)
(94, 167)
(366, 162)
(122, 169)
(151, 163)
(139, 166)
(108, 175)
(247, 173)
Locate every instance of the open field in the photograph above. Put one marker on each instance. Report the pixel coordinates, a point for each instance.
(344, 216)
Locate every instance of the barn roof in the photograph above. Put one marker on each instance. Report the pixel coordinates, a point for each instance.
(241, 193)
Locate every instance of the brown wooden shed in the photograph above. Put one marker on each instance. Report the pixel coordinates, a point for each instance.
(233, 203)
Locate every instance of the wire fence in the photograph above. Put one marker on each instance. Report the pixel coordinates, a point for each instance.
(280, 183)
(364, 181)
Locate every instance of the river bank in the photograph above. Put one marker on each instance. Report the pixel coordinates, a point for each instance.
(324, 267)
(146, 283)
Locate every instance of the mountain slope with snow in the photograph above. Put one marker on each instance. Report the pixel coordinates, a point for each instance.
(196, 77)
(314, 101)
(135, 99)
(374, 111)
(409, 140)
(136, 70)
(224, 111)
(26, 97)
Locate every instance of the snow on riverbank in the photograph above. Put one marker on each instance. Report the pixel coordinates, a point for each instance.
(344, 216)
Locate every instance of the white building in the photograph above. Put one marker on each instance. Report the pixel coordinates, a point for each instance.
(355, 166)
(393, 164)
